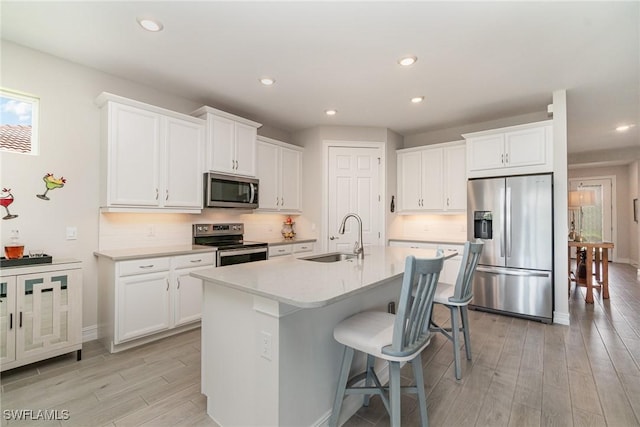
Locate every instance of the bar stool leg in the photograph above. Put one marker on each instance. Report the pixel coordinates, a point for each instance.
(464, 314)
(416, 364)
(394, 393)
(455, 333)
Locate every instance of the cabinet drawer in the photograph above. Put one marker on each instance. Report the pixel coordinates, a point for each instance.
(194, 260)
(142, 266)
(302, 247)
(279, 250)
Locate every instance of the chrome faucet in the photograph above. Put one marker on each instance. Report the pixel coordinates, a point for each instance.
(358, 248)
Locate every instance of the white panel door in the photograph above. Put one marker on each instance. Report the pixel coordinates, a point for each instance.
(455, 178)
(143, 305)
(245, 150)
(290, 179)
(353, 188)
(8, 319)
(486, 152)
(184, 143)
(221, 154)
(267, 171)
(432, 184)
(187, 305)
(410, 181)
(525, 147)
(134, 157)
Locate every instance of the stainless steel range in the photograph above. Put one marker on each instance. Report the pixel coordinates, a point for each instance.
(228, 241)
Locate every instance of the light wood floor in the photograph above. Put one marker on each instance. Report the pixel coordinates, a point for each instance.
(523, 373)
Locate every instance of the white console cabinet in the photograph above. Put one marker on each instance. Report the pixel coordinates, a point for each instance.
(231, 142)
(151, 158)
(40, 312)
(432, 179)
(512, 150)
(144, 299)
(279, 170)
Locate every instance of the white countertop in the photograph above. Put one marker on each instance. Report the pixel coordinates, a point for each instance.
(309, 284)
(441, 241)
(139, 253)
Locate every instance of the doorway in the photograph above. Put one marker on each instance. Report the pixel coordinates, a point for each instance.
(355, 183)
(598, 221)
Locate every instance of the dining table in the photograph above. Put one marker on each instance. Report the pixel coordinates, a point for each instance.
(601, 274)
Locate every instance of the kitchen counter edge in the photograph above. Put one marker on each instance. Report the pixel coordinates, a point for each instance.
(141, 253)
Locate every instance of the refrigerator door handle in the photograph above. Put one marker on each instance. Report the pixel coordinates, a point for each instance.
(502, 224)
(512, 271)
(508, 219)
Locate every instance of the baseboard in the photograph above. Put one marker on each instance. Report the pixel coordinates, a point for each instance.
(353, 402)
(90, 333)
(561, 318)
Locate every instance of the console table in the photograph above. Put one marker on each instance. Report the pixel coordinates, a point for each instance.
(602, 266)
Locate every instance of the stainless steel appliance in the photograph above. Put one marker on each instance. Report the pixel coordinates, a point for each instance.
(513, 216)
(228, 191)
(228, 241)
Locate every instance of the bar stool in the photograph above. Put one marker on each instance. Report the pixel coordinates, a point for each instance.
(456, 298)
(395, 338)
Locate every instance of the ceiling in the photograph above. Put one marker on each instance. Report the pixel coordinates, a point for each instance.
(477, 61)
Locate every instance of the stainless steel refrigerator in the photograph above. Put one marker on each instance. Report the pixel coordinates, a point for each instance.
(513, 216)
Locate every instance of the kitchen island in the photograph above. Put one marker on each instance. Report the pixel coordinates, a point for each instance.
(268, 353)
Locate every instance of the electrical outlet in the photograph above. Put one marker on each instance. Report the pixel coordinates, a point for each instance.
(265, 345)
(72, 233)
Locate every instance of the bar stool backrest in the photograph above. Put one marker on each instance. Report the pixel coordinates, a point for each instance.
(463, 291)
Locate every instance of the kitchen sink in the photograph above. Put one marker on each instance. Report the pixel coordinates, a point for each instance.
(330, 257)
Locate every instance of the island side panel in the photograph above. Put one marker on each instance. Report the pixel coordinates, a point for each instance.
(310, 358)
(240, 385)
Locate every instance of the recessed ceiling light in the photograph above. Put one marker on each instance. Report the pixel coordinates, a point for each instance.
(417, 99)
(267, 81)
(623, 128)
(150, 24)
(331, 112)
(407, 60)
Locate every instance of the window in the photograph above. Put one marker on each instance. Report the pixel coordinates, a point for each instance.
(18, 122)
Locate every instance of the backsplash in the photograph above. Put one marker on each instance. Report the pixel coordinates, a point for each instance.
(430, 227)
(139, 230)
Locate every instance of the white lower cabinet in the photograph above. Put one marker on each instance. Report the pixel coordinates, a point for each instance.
(40, 313)
(146, 299)
(450, 269)
(290, 248)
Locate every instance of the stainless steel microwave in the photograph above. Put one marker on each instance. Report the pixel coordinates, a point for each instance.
(228, 191)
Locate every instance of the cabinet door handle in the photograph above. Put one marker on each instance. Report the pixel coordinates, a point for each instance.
(166, 197)
(167, 285)
(21, 319)
(447, 201)
(282, 201)
(178, 283)
(10, 321)
(507, 158)
(146, 266)
(502, 158)
(157, 194)
(277, 201)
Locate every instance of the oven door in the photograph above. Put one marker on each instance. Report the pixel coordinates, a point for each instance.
(239, 256)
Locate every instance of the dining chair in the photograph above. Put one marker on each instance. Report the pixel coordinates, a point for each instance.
(456, 298)
(396, 338)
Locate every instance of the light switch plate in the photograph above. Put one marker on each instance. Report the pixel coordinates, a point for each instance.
(72, 233)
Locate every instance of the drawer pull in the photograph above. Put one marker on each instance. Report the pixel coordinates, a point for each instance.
(196, 260)
(146, 266)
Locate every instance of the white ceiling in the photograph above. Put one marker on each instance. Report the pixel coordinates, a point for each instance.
(477, 61)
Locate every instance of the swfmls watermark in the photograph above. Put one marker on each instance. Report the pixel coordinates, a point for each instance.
(36, 414)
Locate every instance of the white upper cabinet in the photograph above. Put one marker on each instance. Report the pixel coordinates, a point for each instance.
(512, 150)
(231, 142)
(279, 170)
(432, 179)
(151, 157)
